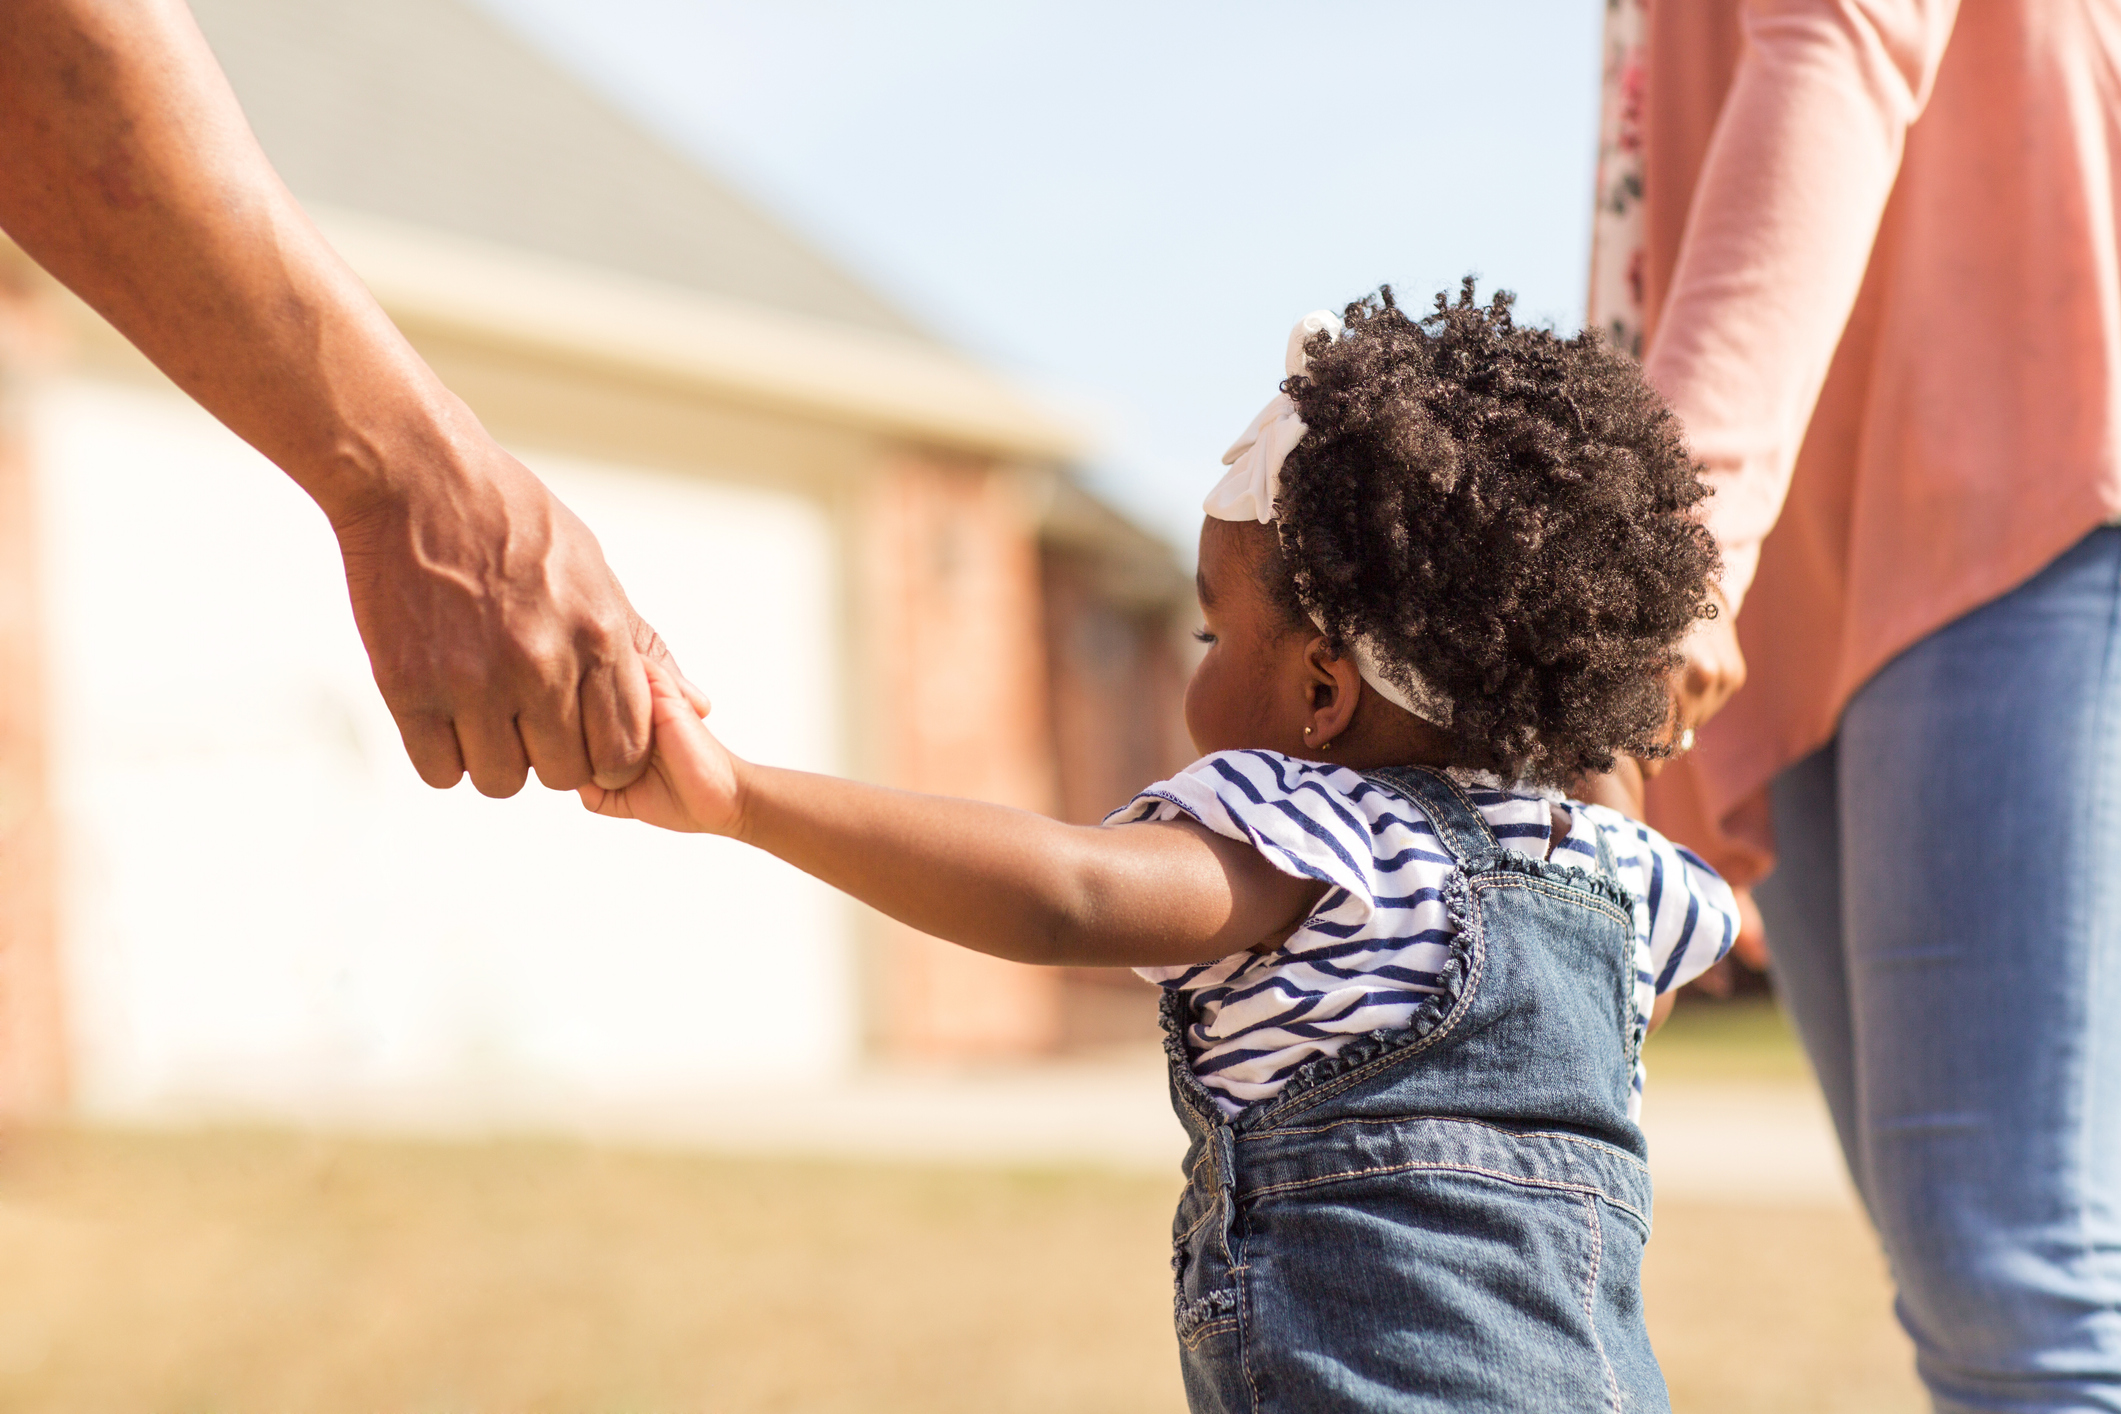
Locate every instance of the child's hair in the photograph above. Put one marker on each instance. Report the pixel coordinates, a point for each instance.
(1505, 511)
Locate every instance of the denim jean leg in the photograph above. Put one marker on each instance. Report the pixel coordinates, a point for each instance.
(1980, 791)
(1801, 902)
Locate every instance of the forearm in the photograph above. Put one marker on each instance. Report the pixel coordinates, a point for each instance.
(128, 171)
(1010, 883)
(1806, 152)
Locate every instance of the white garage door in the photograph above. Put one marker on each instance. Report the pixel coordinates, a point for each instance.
(266, 913)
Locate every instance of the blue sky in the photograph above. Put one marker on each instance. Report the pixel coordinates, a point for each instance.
(1127, 205)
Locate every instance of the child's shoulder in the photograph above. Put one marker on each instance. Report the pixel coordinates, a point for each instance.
(1249, 779)
(1313, 819)
(1626, 835)
(1251, 791)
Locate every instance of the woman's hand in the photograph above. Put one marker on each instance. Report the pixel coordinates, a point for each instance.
(1713, 672)
(693, 783)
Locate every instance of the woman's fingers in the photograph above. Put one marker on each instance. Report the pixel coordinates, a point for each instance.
(1751, 945)
(1712, 674)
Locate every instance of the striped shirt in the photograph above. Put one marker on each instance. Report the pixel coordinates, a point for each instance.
(1366, 955)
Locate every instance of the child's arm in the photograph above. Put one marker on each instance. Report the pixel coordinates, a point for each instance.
(997, 880)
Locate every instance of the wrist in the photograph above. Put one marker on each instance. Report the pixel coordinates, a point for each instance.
(383, 471)
(744, 802)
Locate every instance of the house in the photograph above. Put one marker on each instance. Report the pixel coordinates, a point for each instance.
(222, 889)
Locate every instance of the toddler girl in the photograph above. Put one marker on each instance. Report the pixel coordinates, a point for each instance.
(1406, 981)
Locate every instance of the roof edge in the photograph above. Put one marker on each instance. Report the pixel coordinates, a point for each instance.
(580, 316)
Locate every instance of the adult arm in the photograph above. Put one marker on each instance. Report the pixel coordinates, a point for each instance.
(1000, 881)
(1779, 234)
(499, 638)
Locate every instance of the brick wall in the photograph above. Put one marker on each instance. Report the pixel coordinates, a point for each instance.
(1025, 646)
(949, 617)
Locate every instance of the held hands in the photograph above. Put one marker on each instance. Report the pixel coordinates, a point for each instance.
(500, 639)
(1713, 671)
(1712, 674)
(692, 783)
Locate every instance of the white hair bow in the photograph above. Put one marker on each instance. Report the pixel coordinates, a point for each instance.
(1255, 458)
(1253, 484)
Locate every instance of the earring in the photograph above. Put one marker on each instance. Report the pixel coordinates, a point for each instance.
(1322, 746)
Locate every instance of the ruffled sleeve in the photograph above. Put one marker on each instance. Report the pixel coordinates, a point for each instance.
(1297, 815)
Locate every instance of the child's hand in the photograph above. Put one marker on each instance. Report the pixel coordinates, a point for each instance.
(691, 780)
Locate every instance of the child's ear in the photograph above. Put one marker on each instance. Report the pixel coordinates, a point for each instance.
(1334, 687)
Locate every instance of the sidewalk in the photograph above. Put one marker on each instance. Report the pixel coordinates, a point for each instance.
(1741, 1141)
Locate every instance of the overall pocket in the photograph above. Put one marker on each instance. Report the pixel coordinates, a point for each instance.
(1203, 1272)
(1434, 1289)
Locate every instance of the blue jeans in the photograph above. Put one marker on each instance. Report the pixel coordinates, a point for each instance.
(1946, 926)
(1447, 1219)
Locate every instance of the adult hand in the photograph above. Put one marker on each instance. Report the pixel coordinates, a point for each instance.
(501, 641)
(1713, 672)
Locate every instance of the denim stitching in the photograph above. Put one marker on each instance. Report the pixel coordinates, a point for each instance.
(1600, 887)
(1483, 846)
(1195, 1319)
(1434, 1019)
(1643, 1221)
(1590, 1304)
(1436, 1166)
(1562, 1135)
(1481, 863)
(1547, 887)
(1365, 1057)
(1187, 1235)
(1243, 1287)
(1201, 1332)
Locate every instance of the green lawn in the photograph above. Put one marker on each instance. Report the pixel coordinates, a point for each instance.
(1745, 1039)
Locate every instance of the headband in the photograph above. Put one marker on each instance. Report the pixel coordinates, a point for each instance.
(1253, 484)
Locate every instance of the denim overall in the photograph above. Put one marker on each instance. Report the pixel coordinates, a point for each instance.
(1447, 1217)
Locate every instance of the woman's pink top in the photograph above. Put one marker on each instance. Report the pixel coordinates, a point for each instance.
(1881, 281)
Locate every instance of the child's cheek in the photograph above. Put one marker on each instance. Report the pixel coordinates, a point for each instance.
(1200, 701)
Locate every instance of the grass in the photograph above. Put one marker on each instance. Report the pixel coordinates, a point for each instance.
(1710, 1041)
(230, 1272)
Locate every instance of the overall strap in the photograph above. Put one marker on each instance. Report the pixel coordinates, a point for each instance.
(1459, 825)
(1605, 852)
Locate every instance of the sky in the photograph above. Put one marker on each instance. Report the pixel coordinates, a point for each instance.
(1126, 205)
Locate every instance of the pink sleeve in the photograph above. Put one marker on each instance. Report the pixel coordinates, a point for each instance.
(1796, 178)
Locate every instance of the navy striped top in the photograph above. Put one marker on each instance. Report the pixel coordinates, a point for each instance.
(1363, 958)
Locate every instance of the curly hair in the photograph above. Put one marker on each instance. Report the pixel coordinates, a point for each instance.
(1505, 510)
